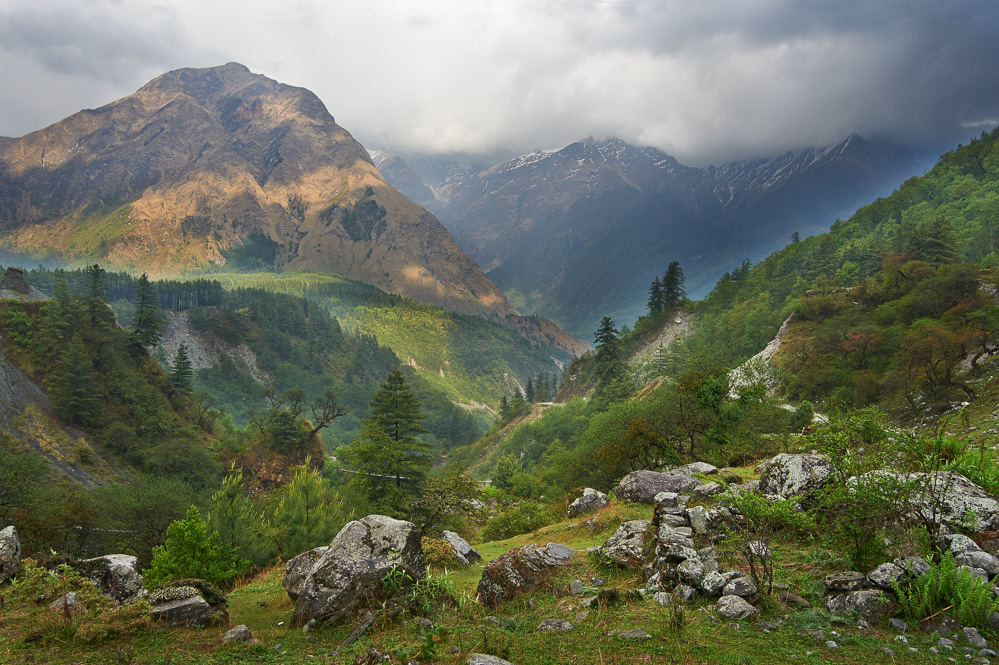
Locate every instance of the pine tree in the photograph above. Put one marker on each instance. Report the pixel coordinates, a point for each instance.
(74, 398)
(237, 520)
(148, 322)
(673, 293)
(609, 366)
(96, 298)
(56, 318)
(181, 372)
(935, 243)
(396, 409)
(190, 551)
(529, 392)
(311, 512)
(392, 461)
(656, 296)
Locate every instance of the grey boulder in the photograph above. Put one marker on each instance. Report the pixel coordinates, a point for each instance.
(520, 570)
(297, 569)
(643, 486)
(734, 608)
(352, 569)
(10, 553)
(116, 575)
(465, 553)
(795, 476)
(590, 501)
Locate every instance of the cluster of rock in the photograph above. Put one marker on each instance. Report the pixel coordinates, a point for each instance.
(119, 577)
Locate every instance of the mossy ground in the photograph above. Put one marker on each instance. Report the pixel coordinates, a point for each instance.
(693, 636)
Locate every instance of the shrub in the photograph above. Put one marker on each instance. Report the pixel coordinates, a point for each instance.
(438, 553)
(524, 518)
(190, 551)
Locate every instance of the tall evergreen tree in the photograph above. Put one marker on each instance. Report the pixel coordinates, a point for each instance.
(74, 395)
(181, 372)
(95, 298)
(609, 366)
(673, 293)
(396, 409)
(148, 321)
(656, 296)
(935, 243)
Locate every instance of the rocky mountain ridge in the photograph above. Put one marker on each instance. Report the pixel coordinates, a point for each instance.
(553, 223)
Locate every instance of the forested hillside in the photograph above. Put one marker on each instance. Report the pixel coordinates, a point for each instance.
(893, 309)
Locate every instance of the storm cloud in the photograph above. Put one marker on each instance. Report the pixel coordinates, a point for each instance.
(707, 82)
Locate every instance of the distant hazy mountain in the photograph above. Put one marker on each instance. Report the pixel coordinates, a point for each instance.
(579, 233)
(223, 166)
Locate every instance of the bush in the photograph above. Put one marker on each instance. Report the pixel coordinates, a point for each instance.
(190, 551)
(438, 553)
(526, 517)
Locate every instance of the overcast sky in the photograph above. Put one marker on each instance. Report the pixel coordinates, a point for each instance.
(706, 81)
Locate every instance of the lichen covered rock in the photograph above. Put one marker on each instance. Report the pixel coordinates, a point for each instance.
(10, 553)
(643, 486)
(353, 567)
(520, 570)
(297, 569)
(795, 476)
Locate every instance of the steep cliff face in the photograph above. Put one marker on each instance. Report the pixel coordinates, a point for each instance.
(222, 166)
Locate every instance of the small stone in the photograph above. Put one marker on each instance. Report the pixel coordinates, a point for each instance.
(944, 643)
(556, 624)
(933, 650)
(901, 639)
(633, 634)
(309, 627)
(663, 598)
(598, 581)
(238, 634)
(576, 587)
(898, 624)
(580, 616)
(832, 644)
(485, 659)
(972, 637)
(987, 653)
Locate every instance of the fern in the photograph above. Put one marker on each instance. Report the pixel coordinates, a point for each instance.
(946, 586)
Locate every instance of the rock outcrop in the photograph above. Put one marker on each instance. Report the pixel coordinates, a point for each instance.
(353, 567)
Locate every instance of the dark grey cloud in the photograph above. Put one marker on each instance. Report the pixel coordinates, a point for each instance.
(707, 81)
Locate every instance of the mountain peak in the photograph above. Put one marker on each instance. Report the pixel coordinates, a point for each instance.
(222, 166)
